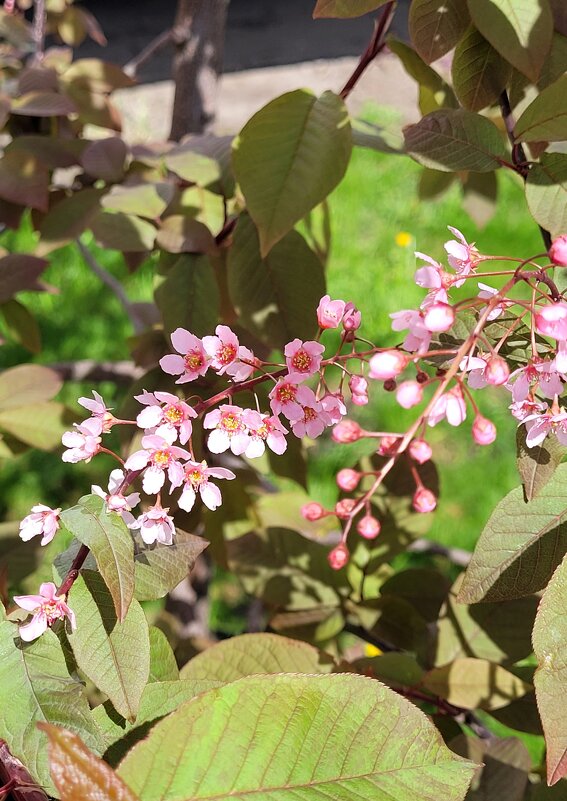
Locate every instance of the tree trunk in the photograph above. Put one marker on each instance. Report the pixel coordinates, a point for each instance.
(199, 36)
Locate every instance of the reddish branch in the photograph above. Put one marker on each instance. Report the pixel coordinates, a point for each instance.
(15, 779)
(375, 46)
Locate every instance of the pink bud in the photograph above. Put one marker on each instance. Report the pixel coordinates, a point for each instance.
(368, 527)
(420, 451)
(347, 431)
(496, 371)
(483, 431)
(313, 511)
(344, 508)
(358, 385)
(439, 317)
(348, 479)
(330, 312)
(551, 321)
(338, 557)
(409, 393)
(558, 251)
(351, 318)
(388, 446)
(424, 500)
(359, 400)
(387, 364)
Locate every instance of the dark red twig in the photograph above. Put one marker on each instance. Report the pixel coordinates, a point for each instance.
(16, 780)
(375, 45)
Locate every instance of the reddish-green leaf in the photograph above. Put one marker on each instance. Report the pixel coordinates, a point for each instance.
(19, 272)
(505, 767)
(436, 26)
(40, 425)
(27, 384)
(181, 234)
(191, 165)
(188, 296)
(145, 200)
(537, 465)
(546, 192)
(455, 139)
(78, 773)
(425, 75)
(480, 192)
(520, 30)
(289, 157)
(475, 684)
(549, 636)
(67, 219)
(345, 9)
(43, 104)
(161, 568)
(105, 158)
(479, 72)
(124, 232)
(24, 180)
(22, 326)
(545, 119)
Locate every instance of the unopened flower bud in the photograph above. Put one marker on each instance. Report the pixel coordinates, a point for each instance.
(348, 479)
(359, 400)
(409, 393)
(420, 451)
(338, 557)
(344, 508)
(439, 317)
(358, 385)
(390, 385)
(424, 500)
(483, 431)
(330, 312)
(313, 511)
(422, 377)
(388, 446)
(558, 251)
(496, 371)
(368, 527)
(351, 318)
(347, 431)
(387, 364)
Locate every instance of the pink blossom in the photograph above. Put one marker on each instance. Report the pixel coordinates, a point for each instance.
(98, 408)
(83, 442)
(166, 414)
(287, 398)
(539, 426)
(558, 251)
(196, 479)
(461, 256)
(155, 526)
(303, 359)
(42, 521)
(524, 408)
(348, 480)
(347, 431)
(368, 527)
(243, 366)
(487, 293)
(358, 384)
(434, 278)
(450, 405)
(388, 364)
(424, 500)
(115, 500)
(409, 393)
(334, 407)
(193, 361)
(47, 607)
(551, 321)
(352, 318)
(338, 557)
(229, 430)
(475, 366)
(419, 337)
(227, 355)
(264, 430)
(483, 430)
(560, 361)
(312, 422)
(160, 455)
(420, 450)
(330, 312)
(313, 511)
(539, 375)
(439, 317)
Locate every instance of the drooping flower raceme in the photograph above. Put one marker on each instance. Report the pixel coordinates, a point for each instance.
(47, 607)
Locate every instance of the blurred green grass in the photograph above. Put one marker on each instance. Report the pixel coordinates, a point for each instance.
(376, 200)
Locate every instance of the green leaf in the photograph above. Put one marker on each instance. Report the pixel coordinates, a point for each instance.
(475, 684)
(192, 166)
(275, 296)
(336, 737)
(204, 206)
(520, 30)
(39, 425)
(161, 568)
(188, 295)
(110, 541)
(537, 465)
(521, 545)
(499, 632)
(479, 72)
(345, 9)
(124, 232)
(163, 666)
(78, 773)
(545, 119)
(455, 139)
(158, 700)
(289, 157)
(251, 654)
(435, 26)
(425, 589)
(434, 183)
(550, 631)
(546, 192)
(421, 72)
(145, 200)
(35, 686)
(21, 325)
(115, 656)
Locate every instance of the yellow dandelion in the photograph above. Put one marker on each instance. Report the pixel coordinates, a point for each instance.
(403, 239)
